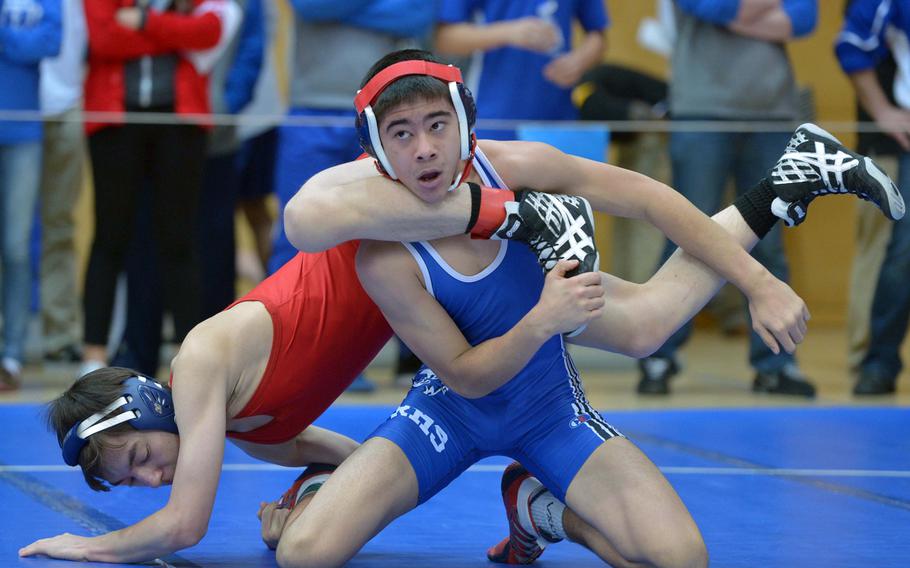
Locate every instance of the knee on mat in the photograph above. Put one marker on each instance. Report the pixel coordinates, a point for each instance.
(307, 551)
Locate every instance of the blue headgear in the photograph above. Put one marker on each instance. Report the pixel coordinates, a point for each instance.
(146, 405)
(462, 100)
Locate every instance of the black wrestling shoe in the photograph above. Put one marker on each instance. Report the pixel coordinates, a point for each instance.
(556, 227)
(816, 163)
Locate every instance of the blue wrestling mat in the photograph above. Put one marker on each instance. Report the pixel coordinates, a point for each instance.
(808, 488)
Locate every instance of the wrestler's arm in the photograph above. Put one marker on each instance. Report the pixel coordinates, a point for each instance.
(639, 318)
(313, 445)
(389, 275)
(625, 193)
(200, 415)
(352, 201)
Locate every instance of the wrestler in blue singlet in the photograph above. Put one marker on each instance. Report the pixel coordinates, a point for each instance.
(540, 418)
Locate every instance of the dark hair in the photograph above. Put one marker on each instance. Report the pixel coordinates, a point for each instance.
(85, 397)
(407, 89)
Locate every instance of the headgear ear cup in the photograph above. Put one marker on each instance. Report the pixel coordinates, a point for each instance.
(463, 128)
(363, 134)
(470, 110)
(378, 150)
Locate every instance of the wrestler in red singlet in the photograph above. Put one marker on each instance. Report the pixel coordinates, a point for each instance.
(326, 331)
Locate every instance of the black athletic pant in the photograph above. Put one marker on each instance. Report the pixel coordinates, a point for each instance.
(171, 158)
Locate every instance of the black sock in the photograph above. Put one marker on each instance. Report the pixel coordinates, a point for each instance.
(755, 207)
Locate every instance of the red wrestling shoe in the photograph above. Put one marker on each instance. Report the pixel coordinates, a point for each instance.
(307, 482)
(525, 542)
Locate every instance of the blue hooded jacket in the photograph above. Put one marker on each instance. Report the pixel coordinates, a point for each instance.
(30, 30)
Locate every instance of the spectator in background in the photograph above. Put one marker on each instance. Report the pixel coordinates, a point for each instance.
(617, 93)
(61, 182)
(30, 30)
(256, 172)
(140, 347)
(611, 92)
(873, 31)
(336, 42)
(614, 92)
(231, 87)
(525, 65)
(150, 57)
(871, 236)
(259, 144)
(715, 43)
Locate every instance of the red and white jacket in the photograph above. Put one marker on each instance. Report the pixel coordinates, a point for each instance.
(111, 45)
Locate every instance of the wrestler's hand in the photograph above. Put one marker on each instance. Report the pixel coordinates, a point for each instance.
(779, 316)
(273, 518)
(568, 303)
(65, 546)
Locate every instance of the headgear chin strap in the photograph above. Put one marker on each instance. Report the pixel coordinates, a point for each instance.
(462, 101)
(146, 405)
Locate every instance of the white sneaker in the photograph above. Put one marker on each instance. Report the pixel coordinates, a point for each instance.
(12, 366)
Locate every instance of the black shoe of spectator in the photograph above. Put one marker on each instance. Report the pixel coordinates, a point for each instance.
(870, 384)
(66, 354)
(788, 380)
(656, 373)
(8, 381)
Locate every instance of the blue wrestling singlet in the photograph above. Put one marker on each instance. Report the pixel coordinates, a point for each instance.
(541, 417)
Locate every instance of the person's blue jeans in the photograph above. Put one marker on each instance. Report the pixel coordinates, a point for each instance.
(302, 153)
(891, 302)
(20, 178)
(702, 163)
